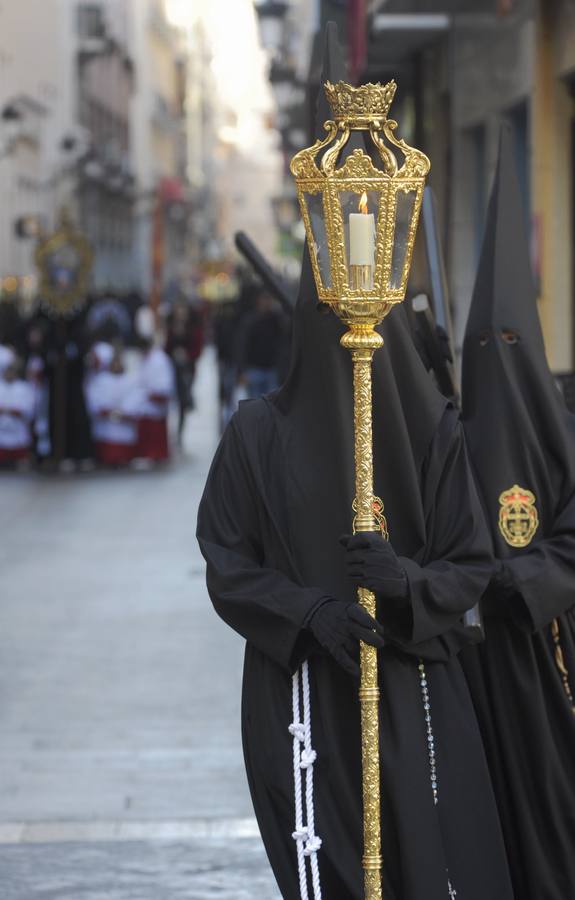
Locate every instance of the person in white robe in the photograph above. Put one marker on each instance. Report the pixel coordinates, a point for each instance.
(113, 403)
(7, 356)
(36, 378)
(97, 360)
(156, 389)
(17, 407)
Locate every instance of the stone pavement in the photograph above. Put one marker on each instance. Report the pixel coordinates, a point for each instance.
(121, 773)
(156, 870)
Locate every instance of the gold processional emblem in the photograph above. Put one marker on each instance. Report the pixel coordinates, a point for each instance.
(518, 519)
(64, 260)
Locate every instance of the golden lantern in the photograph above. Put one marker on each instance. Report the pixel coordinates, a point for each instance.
(361, 212)
(360, 269)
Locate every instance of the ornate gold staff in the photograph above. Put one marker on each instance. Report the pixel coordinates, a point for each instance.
(360, 221)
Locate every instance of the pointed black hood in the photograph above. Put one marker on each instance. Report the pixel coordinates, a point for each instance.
(504, 296)
(518, 428)
(316, 403)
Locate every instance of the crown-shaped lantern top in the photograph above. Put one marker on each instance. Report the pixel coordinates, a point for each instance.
(367, 102)
(360, 202)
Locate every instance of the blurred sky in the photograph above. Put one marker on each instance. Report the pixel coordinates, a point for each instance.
(238, 64)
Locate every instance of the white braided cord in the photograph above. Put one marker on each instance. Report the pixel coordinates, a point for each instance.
(296, 729)
(313, 843)
(304, 756)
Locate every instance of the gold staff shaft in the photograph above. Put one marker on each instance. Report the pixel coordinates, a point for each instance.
(361, 287)
(363, 341)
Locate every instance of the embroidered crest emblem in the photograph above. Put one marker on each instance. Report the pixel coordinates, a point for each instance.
(377, 506)
(518, 519)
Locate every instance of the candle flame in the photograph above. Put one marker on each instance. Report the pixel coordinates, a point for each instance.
(363, 204)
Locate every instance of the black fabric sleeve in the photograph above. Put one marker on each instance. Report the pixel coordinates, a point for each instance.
(260, 603)
(544, 575)
(457, 563)
(438, 649)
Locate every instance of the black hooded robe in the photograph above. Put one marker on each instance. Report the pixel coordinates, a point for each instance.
(64, 351)
(277, 498)
(522, 678)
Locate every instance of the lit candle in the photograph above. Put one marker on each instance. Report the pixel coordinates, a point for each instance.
(361, 235)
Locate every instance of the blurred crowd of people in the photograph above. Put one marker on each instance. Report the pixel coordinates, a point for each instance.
(98, 386)
(95, 387)
(252, 339)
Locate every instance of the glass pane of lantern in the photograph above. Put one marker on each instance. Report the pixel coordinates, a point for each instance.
(359, 220)
(314, 203)
(403, 214)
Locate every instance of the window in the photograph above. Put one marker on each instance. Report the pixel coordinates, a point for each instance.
(91, 22)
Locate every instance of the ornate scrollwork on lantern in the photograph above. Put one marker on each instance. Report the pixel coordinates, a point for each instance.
(366, 101)
(361, 274)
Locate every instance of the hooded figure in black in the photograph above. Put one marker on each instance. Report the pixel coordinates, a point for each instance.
(64, 349)
(278, 497)
(522, 442)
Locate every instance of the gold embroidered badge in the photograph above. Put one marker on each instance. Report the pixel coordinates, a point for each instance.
(518, 519)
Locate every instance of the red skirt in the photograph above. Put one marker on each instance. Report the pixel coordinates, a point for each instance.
(110, 454)
(152, 439)
(13, 454)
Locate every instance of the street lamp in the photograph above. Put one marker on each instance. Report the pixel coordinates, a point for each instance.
(271, 15)
(360, 222)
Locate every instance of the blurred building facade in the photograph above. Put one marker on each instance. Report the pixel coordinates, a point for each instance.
(159, 135)
(463, 68)
(288, 33)
(105, 177)
(470, 67)
(202, 137)
(36, 113)
(233, 160)
(92, 98)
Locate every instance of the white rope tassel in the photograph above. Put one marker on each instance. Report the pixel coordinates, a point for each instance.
(313, 841)
(300, 834)
(304, 756)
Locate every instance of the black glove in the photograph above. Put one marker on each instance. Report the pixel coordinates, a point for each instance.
(338, 626)
(501, 600)
(496, 599)
(502, 581)
(372, 563)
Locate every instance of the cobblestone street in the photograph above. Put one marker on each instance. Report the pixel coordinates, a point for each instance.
(121, 774)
